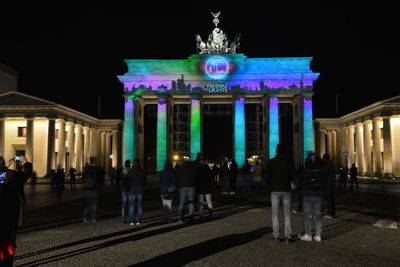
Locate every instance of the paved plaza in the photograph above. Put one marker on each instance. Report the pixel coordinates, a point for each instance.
(239, 235)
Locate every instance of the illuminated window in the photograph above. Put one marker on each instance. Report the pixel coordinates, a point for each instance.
(22, 131)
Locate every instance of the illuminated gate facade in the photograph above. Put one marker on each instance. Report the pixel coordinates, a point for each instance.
(181, 88)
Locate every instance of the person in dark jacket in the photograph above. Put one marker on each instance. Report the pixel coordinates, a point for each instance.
(60, 178)
(125, 188)
(247, 177)
(313, 187)
(72, 177)
(186, 178)
(91, 178)
(353, 176)
(233, 172)
(343, 170)
(329, 200)
(167, 183)
(137, 180)
(10, 200)
(204, 182)
(279, 174)
(25, 170)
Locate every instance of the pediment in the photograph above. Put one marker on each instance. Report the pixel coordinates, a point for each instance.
(14, 98)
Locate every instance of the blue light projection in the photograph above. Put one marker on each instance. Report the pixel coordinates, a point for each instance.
(239, 132)
(273, 126)
(308, 133)
(217, 67)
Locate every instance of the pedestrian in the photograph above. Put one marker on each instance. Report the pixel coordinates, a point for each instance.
(233, 176)
(137, 180)
(204, 183)
(52, 176)
(313, 186)
(25, 170)
(91, 178)
(60, 179)
(186, 177)
(224, 176)
(279, 175)
(72, 177)
(125, 188)
(118, 174)
(247, 177)
(330, 178)
(343, 171)
(111, 174)
(257, 180)
(168, 188)
(33, 180)
(353, 176)
(10, 201)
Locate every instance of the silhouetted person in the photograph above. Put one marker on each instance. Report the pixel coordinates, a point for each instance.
(111, 174)
(168, 188)
(125, 188)
(72, 177)
(203, 186)
(247, 177)
(118, 176)
(59, 178)
(186, 178)
(137, 180)
(224, 176)
(330, 178)
(257, 177)
(343, 171)
(91, 178)
(233, 176)
(353, 176)
(279, 174)
(313, 186)
(25, 170)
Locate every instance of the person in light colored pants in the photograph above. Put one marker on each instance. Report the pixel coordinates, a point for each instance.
(201, 203)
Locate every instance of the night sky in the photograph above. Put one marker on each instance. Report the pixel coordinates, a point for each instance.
(72, 54)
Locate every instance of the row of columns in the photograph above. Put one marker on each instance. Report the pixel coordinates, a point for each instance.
(134, 107)
(364, 143)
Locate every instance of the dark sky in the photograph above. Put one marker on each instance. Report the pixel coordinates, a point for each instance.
(72, 54)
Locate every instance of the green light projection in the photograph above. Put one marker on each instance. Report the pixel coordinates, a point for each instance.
(195, 129)
(129, 129)
(161, 135)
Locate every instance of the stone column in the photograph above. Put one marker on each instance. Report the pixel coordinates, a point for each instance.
(129, 148)
(330, 143)
(86, 144)
(239, 131)
(61, 143)
(195, 127)
(93, 143)
(395, 126)
(273, 126)
(99, 147)
(350, 143)
(71, 144)
(107, 152)
(2, 137)
(103, 150)
(367, 147)
(387, 148)
(359, 148)
(51, 144)
(79, 143)
(322, 143)
(334, 147)
(114, 148)
(162, 133)
(29, 139)
(377, 147)
(344, 146)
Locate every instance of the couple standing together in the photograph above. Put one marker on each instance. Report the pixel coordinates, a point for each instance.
(280, 175)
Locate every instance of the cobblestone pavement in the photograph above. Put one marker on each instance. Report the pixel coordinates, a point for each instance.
(239, 235)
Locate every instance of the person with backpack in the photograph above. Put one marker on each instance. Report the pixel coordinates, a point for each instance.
(313, 188)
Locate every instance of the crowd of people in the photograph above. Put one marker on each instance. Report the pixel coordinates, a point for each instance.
(193, 184)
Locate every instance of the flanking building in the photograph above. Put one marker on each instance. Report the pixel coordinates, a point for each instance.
(48, 133)
(369, 138)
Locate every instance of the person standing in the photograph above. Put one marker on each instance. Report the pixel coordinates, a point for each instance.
(91, 178)
(258, 177)
(330, 175)
(203, 188)
(279, 174)
(186, 177)
(167, 183)
(233, 176)
(25, 171)
(246, 170)
(125, 188)
(72, 177)
(60, 178)
(136, 180)
(111, 174)
(313, 186)
(353, 176)
(10, 198)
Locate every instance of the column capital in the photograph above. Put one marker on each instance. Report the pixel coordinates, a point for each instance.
(70, 123)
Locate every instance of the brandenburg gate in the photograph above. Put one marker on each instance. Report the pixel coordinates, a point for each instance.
(217, 75)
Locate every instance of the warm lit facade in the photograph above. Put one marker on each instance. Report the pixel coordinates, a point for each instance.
(49, 134)
(370, 137)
